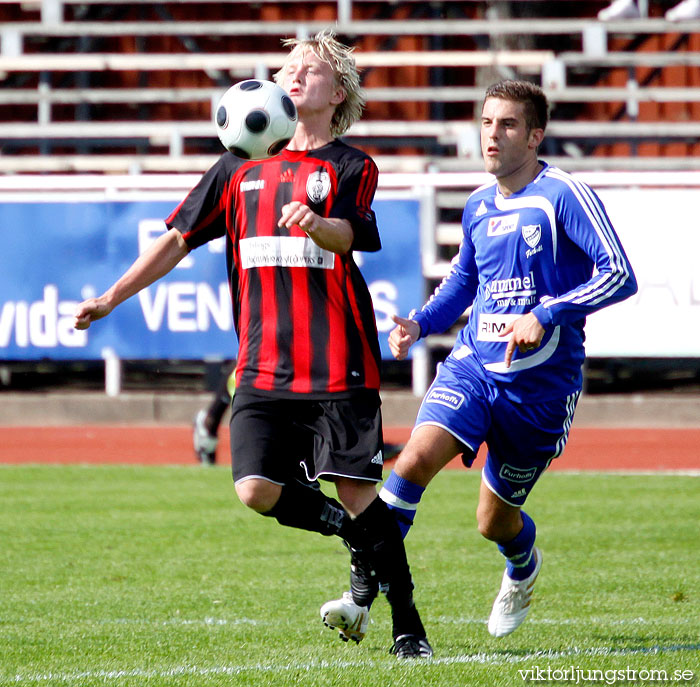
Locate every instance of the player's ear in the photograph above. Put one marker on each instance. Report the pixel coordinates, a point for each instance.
(338, 95)
(536, 137)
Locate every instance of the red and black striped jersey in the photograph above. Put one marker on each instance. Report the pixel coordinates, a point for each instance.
(303, 315)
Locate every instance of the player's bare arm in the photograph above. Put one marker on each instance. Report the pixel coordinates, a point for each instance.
(331, 233)
(527, 335)
(156, 261)
(403, 336)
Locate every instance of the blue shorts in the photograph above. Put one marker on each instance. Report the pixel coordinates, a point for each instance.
(522, 439)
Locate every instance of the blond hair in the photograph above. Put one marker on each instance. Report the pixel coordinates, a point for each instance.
(325, 46)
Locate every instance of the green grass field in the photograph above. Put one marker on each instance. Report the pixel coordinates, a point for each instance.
(158, 576)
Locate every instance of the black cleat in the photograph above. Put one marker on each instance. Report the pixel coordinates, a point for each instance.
(410, 647)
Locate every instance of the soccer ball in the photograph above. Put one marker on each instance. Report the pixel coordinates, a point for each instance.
(255, 119)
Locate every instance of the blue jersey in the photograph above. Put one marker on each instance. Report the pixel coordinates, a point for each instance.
(549, 249)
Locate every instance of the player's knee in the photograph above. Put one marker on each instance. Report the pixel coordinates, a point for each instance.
(487, 528)
(428, 450)
(356, 495)
(497, 526)
(484, 522)
(257, 494)
(417, 464)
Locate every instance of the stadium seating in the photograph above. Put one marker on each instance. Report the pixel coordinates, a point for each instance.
(129, 86)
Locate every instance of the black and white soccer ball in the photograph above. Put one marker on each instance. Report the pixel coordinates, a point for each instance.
(255, 119)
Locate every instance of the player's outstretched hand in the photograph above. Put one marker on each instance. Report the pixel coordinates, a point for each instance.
(527, 335)
(403, 336)
(90, 310)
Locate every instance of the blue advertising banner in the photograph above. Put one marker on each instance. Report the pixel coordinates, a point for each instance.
(55, 254)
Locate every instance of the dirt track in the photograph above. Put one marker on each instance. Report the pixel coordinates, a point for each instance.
(588, 448)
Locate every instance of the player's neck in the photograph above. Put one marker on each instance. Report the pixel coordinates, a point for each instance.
(519, 178)
(310, 136)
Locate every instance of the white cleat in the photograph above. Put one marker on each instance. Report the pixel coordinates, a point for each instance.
(513, 601)
(684, 11)
(347, 617)
(620, 9)
(204, 443)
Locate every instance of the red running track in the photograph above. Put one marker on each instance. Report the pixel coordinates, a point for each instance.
(588, 448)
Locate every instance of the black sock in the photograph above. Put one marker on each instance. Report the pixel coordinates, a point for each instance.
(383, 549)
(364, 585)
(218, 406)
(307, 508)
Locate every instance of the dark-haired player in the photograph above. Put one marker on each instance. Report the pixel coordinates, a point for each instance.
(537, 256)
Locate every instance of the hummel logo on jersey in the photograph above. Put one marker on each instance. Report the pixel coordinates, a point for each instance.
(481, 210)
(378, 459)
(287, 177)
(255, 185)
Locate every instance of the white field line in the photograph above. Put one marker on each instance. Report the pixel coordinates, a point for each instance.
(481, 658)
(447, 620)
(597, 622)
(182, 621)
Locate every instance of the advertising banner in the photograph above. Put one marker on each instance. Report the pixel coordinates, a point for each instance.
(55, 254)
(660, 232)
(58, 252)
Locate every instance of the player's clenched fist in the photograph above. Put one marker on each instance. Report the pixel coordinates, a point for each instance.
(403, 336)
(301, 215)
(88, 311)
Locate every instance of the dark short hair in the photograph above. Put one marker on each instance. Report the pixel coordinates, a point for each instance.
(531, 95)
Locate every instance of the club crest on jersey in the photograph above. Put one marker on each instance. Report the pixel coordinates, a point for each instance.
(318, 186)
(532, 233)
(499, 226)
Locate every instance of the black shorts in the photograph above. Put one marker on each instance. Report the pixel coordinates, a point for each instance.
(271, 437)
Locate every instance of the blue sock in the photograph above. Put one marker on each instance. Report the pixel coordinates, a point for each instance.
(402, 497)
(520, 561)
